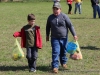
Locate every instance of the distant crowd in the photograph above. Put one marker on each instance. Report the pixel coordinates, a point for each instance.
(78, 3)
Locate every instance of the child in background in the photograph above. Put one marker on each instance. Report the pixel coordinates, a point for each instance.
(78, 6)
(69, 2)
(30, 34)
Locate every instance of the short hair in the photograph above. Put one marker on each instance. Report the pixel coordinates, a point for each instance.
(30, 17)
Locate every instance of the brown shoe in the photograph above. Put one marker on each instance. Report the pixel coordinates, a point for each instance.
(55, 70)
(64, 66)
(69, 12)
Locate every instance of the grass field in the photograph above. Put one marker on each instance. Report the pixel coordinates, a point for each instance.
(14, 15)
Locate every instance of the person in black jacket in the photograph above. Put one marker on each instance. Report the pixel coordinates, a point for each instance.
(96, 7)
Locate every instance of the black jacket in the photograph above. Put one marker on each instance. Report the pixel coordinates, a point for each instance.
(94, 2)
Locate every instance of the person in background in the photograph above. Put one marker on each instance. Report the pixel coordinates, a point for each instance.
(69, 2)
(78, 6)
(59, 24)
(56, 1)
(30, 35)
(96, 8)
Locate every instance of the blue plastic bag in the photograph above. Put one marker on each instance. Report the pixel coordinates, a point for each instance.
(71, 47)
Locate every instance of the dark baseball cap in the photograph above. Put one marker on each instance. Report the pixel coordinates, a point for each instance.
(57, 5)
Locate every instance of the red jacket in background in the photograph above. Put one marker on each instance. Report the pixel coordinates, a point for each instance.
(23, 37)
(69, 1)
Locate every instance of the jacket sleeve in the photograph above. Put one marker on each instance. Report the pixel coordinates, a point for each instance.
(38, 37)
(70, 25)
(23, 38)
(48, 26)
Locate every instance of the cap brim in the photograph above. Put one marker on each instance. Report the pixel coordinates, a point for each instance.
(56, 7)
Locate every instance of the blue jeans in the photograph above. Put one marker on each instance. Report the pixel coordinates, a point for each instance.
(31, 55)
(77, 6)
(58, 51)
(96, 8)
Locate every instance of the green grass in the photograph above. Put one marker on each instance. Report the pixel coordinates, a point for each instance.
(14, 15)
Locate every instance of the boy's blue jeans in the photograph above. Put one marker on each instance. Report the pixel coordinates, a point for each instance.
(31, 55)
(77, 6)
(58, 51)
(96, 8)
